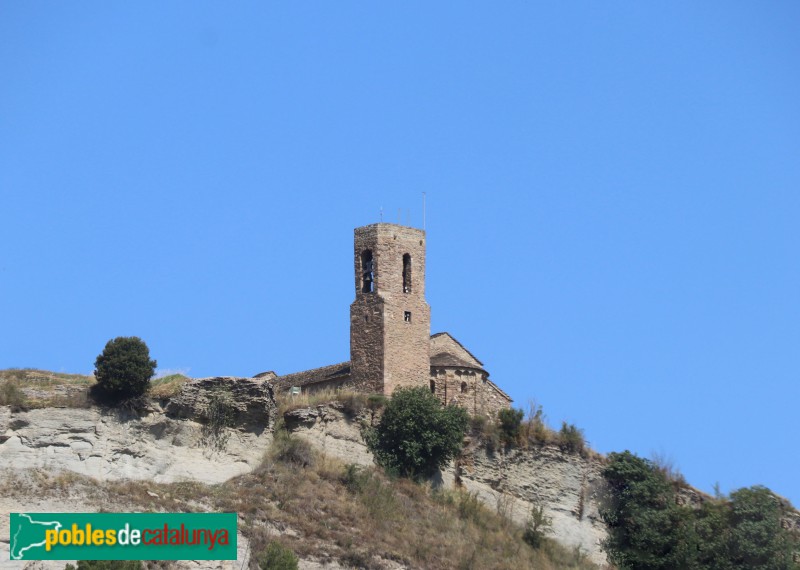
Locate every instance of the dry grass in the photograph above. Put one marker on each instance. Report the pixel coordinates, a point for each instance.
(534, 432)
(168, 386)
(328, 510)
(38, 378)
(352, 403)
(44, 389)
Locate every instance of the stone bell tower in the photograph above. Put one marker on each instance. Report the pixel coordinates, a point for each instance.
(390, 322)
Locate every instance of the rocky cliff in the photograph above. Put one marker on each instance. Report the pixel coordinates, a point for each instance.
(566, 485)
(174, 440)
(166, 443)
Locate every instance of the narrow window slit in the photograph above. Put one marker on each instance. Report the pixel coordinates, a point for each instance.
(367, 271)
(406, 273)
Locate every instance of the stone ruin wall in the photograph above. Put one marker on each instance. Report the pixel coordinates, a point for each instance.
(469, 389)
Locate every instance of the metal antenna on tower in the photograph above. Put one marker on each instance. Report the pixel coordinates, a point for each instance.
(423, 211)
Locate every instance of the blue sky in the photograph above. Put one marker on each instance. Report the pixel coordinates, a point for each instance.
(613, 197)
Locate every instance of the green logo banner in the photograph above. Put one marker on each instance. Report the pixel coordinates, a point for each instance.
(123, 536)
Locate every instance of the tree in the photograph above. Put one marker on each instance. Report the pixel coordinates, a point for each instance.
(417, 435)
(124, 368)
(757, 540)
(510, 422)
(647, 529)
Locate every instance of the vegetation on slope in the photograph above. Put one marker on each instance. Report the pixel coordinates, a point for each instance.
(648, 529)
(417, 435)
(320, 508)
(514, 428)
(124, 369)
(167, 386)
(328, 511)
(25, 388)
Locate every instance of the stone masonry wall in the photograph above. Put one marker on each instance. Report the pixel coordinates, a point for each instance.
(390, 327)
(469, 389)
(445, 343)
(367, 343)
(489, 400)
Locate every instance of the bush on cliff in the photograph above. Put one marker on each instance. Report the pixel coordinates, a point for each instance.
(510, 423)
(648, 530)
(123, 369)
(278, 557)
(417, 435)
(12, 395)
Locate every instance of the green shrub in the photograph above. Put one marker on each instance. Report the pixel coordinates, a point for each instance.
(376, 402)
(536, 527)
(757, 539)
(12, 395)
(355, 478)
(219, 413)
(486, 431)
(292, 450)
(470, 507)
(510, 422)
(477, 425)
(570, 439)
(648, 530)
(123, 369)
(534, 429)
(416, 434)
(277, 557)
(491, 437)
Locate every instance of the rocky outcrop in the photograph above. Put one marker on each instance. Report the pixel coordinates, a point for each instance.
(168, 445)
(250, 401)
(332, 431)
(566, 485)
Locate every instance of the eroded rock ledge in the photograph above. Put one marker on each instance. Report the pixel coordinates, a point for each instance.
(165, 444)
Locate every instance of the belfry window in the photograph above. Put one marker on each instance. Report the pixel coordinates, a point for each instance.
(433, 386)
(407, 316)
(367, 272)
(406, 273)
(464, 388)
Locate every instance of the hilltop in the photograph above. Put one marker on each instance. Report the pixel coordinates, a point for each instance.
(296, 471)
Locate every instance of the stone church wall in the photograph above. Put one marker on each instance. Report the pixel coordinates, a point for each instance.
(469, 389)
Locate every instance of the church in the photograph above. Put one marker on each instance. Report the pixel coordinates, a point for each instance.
(391, 345)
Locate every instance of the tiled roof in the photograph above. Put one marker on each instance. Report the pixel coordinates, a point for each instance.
(447, 359)
(321, 374)
(459, 344)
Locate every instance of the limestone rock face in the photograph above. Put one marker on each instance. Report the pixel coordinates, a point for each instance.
(332, 431)
(251, 400)
(152, 444)
(567, 485)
